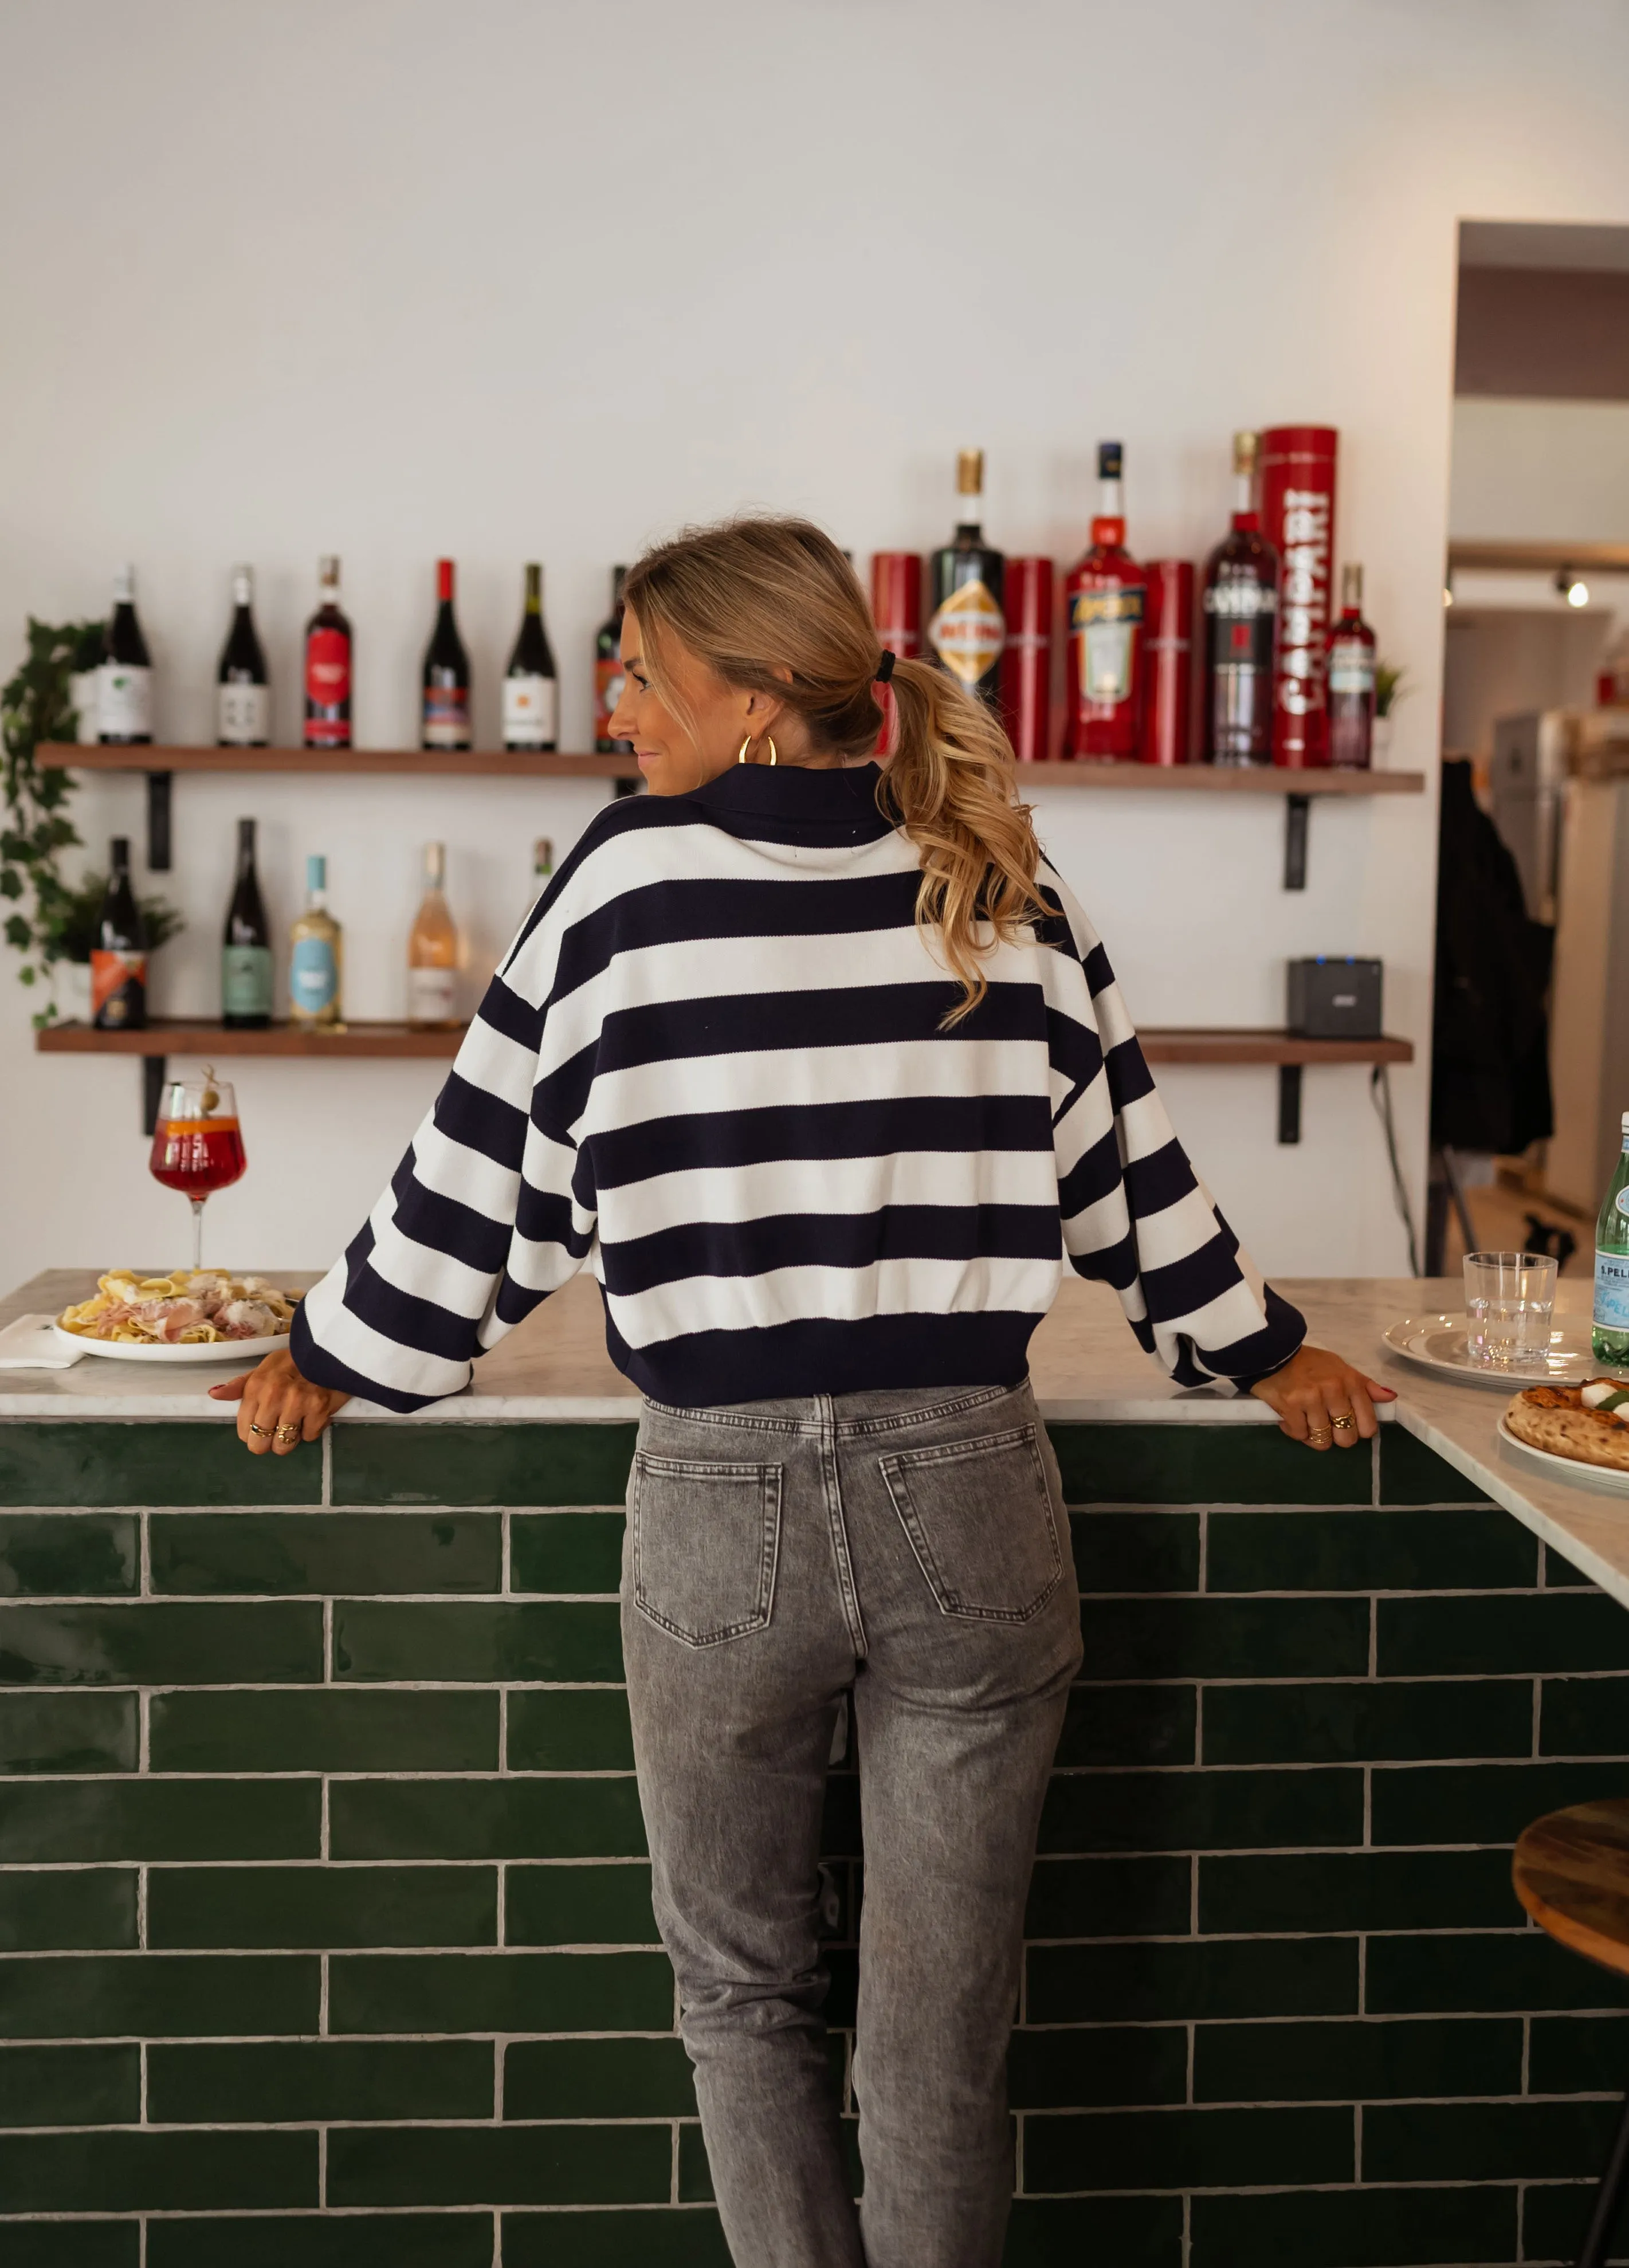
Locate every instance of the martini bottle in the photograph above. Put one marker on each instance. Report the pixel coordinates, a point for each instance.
(1611, 1265)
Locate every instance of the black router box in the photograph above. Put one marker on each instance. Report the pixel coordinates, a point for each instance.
(1335, 997)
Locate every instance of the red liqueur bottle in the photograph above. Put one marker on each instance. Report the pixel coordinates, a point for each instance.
(1105, 599)
(1241, 616)
(1351, 677)
(1298, 520)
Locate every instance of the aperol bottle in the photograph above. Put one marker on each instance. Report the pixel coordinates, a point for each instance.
(1105, 599)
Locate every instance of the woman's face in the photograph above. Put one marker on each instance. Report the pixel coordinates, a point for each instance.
(676, 757)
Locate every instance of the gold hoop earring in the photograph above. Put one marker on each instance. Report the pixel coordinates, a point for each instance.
(740, 753)
(769, 737)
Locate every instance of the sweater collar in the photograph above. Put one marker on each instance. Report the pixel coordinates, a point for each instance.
(795, 794)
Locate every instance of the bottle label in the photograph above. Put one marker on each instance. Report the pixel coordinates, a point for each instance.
(118, 989)
(327, 690)
(125, 701)
(967, 633)
(1352, 666)
(245, 980)
(447, 716)
(1622, 1200)
(313, 976)
(609, 680)
(432, 996)
(1106, 623)
(531, 711)
(243, 716)
(1240, 600)
(1611, 1290)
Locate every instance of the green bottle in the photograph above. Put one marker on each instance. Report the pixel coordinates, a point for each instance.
(1612, 1264)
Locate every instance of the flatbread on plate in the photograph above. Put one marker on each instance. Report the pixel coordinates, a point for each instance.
(1556, 1418)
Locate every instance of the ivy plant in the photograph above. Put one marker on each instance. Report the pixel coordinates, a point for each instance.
(45, 915)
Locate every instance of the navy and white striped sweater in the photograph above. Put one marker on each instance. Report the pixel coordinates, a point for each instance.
(712, 1068)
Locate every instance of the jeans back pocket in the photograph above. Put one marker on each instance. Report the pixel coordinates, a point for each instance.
(980, 1519)
(706, 1538)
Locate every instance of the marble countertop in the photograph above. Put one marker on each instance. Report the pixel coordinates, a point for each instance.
(1084, 1361)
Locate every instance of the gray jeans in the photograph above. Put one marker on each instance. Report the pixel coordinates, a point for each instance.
(911, 1546)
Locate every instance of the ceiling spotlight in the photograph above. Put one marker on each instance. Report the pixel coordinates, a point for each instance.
(1573, 588)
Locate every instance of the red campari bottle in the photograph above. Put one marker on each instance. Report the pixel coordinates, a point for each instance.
(1105, 599)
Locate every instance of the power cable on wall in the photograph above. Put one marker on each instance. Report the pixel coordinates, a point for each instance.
(1380, 1095)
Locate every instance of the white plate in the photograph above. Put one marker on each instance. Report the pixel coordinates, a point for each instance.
(240, 1350)
(1438, 1342)
(1605, 1478)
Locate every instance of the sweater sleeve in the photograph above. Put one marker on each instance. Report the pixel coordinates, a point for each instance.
(493, 1206)
(1134, 1212)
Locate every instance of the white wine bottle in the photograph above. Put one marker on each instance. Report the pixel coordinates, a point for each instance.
(317, 963)
(432, 951)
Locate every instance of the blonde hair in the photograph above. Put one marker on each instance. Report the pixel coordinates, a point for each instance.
(754, 599)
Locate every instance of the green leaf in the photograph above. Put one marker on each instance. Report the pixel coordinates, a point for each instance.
(11, 882)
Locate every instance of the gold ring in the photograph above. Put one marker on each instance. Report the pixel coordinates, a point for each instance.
(263, 1431)
(1345, 1424)
(1317, 1433)
(287, 1432)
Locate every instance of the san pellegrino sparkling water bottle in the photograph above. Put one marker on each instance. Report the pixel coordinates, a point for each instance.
(1612, 1264)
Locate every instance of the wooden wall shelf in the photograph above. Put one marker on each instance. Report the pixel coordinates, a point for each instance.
(188, 1035)
(503, 763)
(400, 763)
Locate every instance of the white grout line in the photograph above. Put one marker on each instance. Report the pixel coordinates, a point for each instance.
(326, 1494)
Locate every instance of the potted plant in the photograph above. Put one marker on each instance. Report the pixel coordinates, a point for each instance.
(45, 918)
(1389, 689)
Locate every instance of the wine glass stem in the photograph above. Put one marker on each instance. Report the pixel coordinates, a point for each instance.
(197, 1233)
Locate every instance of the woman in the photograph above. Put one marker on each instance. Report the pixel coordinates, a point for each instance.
(826, 1070)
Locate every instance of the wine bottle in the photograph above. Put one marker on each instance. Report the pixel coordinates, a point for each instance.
(245, 949)
(1105, 599)
(328, 656)
(531, 690)
(124, 690)
(317, 962)
(1609, 1338)
(1241, 607)
(119, 956)
(967, 632)
(446, 716)
(608, 672)
(1351, 687)
(542, 866)
(243, 690)
(432, 951)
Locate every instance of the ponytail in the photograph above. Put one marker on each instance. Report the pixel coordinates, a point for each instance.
(950, 786)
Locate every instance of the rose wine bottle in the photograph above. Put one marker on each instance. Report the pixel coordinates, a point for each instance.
(243, 689)
(432, 951)
(1241, 607)
(531, 690)
(1351, 683)
(1105, 599)
(446, 713)
(245, 949)
(328, 657)
(967, 633)
(608, 672)
(119, 956)
(124, 687)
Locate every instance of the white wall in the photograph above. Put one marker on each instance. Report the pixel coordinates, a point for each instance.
(383, 277)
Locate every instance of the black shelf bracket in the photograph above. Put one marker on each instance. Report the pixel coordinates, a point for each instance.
(1296, 808)
(159, 822)
(1289, 1101)
(155, 1069)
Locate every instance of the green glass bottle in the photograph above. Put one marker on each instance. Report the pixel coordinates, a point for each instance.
(1612, 1264)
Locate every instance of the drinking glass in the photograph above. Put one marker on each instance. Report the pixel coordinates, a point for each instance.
(197, 1145)
(1509, 1303)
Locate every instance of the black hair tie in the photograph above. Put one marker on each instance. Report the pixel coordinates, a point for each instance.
(885, 667)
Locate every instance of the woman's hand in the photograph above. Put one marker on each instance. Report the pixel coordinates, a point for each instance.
(1321, 1400)
(277, 1408)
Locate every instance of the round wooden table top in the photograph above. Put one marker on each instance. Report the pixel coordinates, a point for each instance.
(1571, 1872)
